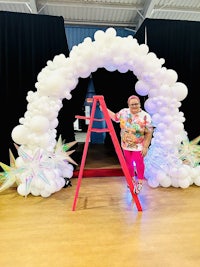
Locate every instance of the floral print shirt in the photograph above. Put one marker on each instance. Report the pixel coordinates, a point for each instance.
(133, 128)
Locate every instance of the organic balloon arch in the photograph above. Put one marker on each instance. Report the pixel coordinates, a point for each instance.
(42, 163)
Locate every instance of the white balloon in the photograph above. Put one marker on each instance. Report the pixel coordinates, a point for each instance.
(197, 180)
(23, 190)
(161, 126)
(153, 183)
(144, 48)
(39, 124)
(153, 92)
(184, 183)
(67, 173)
(45, 193)
(166, 90)
(176, 127)
(166, 183)
(19, 134)
(111, 32)
(179, 91)
(171, 76)
(98, 35)
(35, 191)
(150, 106)
(142, 88)
(156, 118)
(175, 182)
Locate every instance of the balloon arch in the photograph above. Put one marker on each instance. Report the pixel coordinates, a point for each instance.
(42, 165)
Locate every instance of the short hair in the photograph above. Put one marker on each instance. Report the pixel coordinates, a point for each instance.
(133, 97)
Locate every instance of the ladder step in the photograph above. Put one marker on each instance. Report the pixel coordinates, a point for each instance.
(88, 118)
(102, 130)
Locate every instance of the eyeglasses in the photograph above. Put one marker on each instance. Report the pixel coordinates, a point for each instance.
(132, 105)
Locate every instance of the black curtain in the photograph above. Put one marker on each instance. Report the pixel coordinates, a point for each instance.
(178, 42)
(27, 42)
(70, 109)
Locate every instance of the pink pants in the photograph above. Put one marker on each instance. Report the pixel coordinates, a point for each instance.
(135, 156)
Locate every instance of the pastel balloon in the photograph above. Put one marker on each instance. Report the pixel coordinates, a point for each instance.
(39, 124)
(179, 91)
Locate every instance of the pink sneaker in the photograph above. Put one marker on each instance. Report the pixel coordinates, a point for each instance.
(138, 188)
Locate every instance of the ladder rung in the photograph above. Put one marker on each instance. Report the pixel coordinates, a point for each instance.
(88, 118)
(102, 130)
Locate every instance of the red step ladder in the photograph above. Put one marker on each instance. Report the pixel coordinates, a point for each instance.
(110, 129)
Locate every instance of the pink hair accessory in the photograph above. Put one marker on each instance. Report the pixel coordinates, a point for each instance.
(133, 97)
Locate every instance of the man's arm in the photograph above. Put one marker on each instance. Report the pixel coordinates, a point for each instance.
(110, 113)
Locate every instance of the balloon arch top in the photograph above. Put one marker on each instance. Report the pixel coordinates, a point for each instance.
(42, 164)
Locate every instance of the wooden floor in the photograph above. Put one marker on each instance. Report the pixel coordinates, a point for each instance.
(105, 230)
